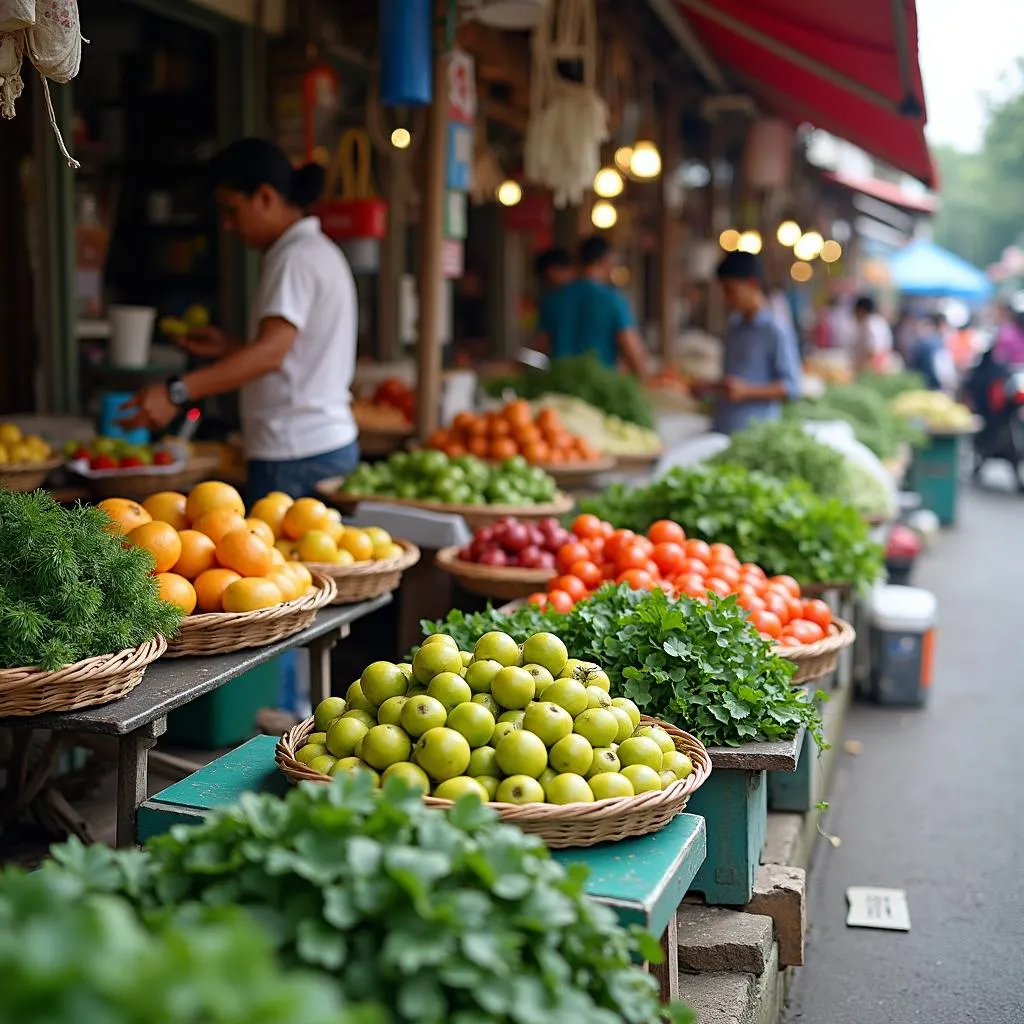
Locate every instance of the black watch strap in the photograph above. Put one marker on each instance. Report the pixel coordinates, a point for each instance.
(177, 391)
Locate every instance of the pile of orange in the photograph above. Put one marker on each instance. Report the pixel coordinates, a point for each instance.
(208, 557)
(514, 430)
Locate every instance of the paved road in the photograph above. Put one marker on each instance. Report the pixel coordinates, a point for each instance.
(935, 805)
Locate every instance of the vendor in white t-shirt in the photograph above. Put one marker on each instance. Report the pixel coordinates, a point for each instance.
(295, 372)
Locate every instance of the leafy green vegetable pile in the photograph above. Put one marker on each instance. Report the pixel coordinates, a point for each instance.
(783, 526)
(67, 956)
(68, 589)
(700, 666)
(442, 918)
(583, 377)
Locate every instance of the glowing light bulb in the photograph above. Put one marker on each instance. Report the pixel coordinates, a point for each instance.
(789, 233)
(808, 246)
(622, 157)
(831, 251)
(509, 192)
(645, 160)
(801, 272)
(603, 215)
(729, 239)
(401, 138)
(608, 183)
(749, 241)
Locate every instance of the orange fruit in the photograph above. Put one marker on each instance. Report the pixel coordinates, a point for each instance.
(289, 549)
(210, 586)
(161, 541)
(277, 559)
(318, 546)
(211, 496)
(244, 551)
(250, 594)
(168, 507)
(262, 530)
(124, 515)
(287, 584)
(271, 510)
(197, 554)
(175, 589)
(218, 523)
(300, 574)
(357, 543)
(304, 515)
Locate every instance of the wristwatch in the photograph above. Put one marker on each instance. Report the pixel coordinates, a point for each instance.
(177, 391)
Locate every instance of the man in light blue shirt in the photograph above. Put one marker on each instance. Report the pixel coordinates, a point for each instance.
(590, 314)
(761, 364)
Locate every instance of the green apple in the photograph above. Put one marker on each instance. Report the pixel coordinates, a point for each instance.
(605, 760)
(598, 698)
(327, 711)
(367, 718)
(381, 681)
(354, 766)
(474, 721)
(460, 786)
(572, 753)
(405, 667)
(568, 694)
(357, 700)
(569, 788)
(674, 761)
(480, 673)
(548, 721)
(542, 678)
(450, 689)
(522, 753)
(490, 785)
(441, 638)
(610, 786)
(343, 736)
(598, 726)
(422, 713)
(310, 752)
(484, 761)
(390, 712)
(656, 733)
(500, 647)
(520, 789)
(487, 701)
(513, 687)
(467, 659)
(318, 737)
(546, 776)
(668, 779)
(324, 764)
(547, 650)
(433, 659)
(516, 716)
(385, 745)
(501, 730)
(625, 729)
(411, 774)
(442, 753)
(644, 778)
(629, 707)
(640, 750)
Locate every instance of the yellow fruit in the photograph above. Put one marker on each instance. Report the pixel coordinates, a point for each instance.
(9, 434)
(209, 497)
(299, 573)
(381, 552)
(304, 515)
(4, 456)
(358, 543)
(271, 510)
(289, 549)
(210, 587)
(197, 554)
(277, 559)
(336, 531)
(217, 524)
(248, 595)
(175, 589)
(334, 515)
(344, 558)
(287, 584)
(317, 546)
(161, 540)
(20, 453)
(168, 507)
(124, 515)
(245, 552)
(377, 535)
(262, 530)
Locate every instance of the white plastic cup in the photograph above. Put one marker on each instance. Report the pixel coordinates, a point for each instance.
(131, 333)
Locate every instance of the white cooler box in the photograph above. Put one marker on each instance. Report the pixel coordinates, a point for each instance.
(902, 644)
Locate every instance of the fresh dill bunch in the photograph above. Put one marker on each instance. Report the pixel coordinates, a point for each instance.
(68, 589)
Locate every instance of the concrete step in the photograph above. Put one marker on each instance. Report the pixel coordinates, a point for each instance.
(728, 998)
(712, 939)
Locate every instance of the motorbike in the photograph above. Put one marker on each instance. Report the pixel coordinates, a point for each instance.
(996, 393)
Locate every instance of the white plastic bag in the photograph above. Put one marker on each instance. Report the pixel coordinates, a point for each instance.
(55, 41)
(16, 14)
(12, 50)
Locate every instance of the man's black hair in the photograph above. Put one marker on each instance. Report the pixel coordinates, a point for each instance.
(865, 303)
(550, 259)
(739, 266)
(593, 250)
(248, 163)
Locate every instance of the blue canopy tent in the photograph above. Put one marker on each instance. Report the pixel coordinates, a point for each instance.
(926, 269)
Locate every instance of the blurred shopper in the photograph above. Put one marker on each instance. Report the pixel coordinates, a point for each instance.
(554, 269)
(1008, 348)
(930, 357)
(761, 358)
(872, 338)
(964, 345)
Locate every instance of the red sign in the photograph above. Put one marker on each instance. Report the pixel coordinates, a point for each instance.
(353, 218)
(533, 214)
(461, 88)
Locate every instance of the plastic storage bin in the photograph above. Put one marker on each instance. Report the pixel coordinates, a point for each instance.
(902, 644)
(935, 475)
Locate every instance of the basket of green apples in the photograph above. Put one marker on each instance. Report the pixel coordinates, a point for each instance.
(525, 728)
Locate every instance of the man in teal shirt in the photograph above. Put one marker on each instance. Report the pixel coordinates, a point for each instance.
(591, 315)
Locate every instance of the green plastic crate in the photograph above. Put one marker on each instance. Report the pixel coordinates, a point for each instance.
(225, 717)
(935, 476)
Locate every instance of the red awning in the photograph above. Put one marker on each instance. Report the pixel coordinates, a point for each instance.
(885, 191)
(847, 68)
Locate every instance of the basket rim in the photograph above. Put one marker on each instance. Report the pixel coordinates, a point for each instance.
(841, 635)
(94, 667)
(448, 559)
(43, 466)
(410, 556)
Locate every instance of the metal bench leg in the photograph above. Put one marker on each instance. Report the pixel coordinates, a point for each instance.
(133, 776)
(320, 665)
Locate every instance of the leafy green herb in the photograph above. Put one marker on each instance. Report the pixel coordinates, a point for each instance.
(68, 589)
(444, 918)
(783, 526)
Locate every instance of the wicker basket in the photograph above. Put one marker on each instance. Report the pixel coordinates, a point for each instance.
(575, 474)
(140, 484)
(814, 661)
(506, 583)
(375, 442)
(560, 826)
(31, 691)
(201, 636)
(636, 463)
(27, 476)
(364, 580)
(475, 516)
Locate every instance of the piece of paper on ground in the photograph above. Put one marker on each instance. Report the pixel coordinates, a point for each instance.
(871, 907)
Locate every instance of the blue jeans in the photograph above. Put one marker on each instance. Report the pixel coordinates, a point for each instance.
(298, 477)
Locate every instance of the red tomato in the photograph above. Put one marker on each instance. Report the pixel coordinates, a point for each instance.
(587, 526)
(744, 589)
(560, 601)
(540, 600)
(608, 571)
(795, 606)
(664, 531)
(724, 571)
(573, 551)
(759, 583)
(586, 571)
(572, 585)
(595, 545)
(644, 543)
(699, 549)
(817, 611)
(717, 586)
(652, 568)
(789, 641)
(694, 565)
(632, 556)
(805, 631)
(751, 602)
(723, 553)
(766, 622)
(691, 586)
(637, 579)
(751, 569)
(670, 558)
(616, 542)
(667, 586)
(789, 583)
(775, 603)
